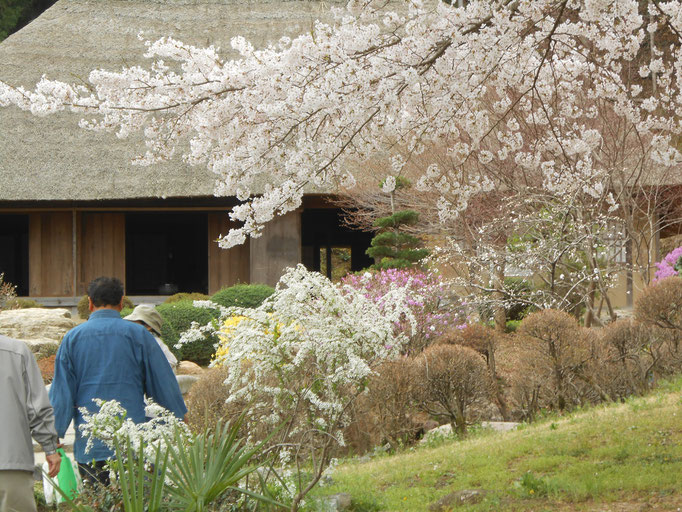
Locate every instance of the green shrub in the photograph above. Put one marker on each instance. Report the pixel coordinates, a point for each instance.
(84, 312)
(186, 296)
(243, 295)
(19, 303)
(178, 317)
(512, 325)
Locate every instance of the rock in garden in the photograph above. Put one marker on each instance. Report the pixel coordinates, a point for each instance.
(455, 499)
(43, 346)
(438, 432)
(336, 502)
(500, 426)
(189, 368)
(36, 323)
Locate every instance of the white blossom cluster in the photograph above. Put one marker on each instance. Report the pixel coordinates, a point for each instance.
(564, 255)
(110, 425)
(307, 352)
(531, 85)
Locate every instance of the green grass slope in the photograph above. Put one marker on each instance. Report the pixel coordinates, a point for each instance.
(619, 457)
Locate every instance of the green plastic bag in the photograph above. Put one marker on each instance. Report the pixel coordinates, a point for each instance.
(66, 478)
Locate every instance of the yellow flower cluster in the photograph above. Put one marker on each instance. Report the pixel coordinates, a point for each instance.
(226, 334)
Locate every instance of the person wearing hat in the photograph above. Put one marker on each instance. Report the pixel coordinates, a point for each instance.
(147, 316)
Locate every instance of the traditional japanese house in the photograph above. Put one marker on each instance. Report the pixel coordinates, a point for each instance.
(73, 206)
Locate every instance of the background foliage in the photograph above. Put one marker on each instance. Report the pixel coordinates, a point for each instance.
(15, 14)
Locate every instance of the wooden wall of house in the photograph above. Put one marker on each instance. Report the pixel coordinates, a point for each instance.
(226, 267)
(51, 254)
(101, 247)
(276, 249)
(67, 249)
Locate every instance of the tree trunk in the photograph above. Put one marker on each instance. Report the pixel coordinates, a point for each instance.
(500, 313)
(589, 312)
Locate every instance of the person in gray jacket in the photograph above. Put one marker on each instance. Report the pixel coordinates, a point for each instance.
(25, 412)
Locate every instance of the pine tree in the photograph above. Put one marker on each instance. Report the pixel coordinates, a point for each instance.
(392, 247)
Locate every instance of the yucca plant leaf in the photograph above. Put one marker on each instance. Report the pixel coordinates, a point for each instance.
(139, 486)
(214, 463)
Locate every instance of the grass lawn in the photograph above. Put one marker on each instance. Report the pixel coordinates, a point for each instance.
(618, 457)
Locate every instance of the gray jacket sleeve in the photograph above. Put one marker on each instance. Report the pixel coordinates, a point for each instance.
(39, 410)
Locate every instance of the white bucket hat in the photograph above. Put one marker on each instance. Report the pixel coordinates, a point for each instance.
(147, 314)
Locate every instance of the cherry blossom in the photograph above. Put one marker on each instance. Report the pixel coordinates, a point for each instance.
(530, 86)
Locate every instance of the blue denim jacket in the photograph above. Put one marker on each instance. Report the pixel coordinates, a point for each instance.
(112, 359)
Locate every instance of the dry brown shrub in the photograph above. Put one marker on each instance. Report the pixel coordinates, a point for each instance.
(476, 336)
(661, 304)
(360, 434)
(523, 382)
(485, 341)
(46, 366)
(7, 293)
(206, 401)
(390, 402)
(660, 308)
(631, 351)
(450, 379)
(554, 351)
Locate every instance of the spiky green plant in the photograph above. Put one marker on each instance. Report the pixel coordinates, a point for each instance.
(216, 462)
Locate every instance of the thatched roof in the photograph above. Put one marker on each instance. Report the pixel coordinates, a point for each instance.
(51, 159)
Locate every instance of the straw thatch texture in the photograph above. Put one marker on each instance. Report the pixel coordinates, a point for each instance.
(46, 159)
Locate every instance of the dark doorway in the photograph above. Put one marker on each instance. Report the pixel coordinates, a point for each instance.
(14, 251)
(166, 253)
(330, 247)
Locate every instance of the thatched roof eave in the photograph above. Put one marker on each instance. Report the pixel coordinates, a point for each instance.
(51, 159)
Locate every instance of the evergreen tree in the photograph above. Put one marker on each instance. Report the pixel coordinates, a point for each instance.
(392, 247)
(16, 14)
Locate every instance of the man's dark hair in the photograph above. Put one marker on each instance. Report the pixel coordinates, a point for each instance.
(105, 291)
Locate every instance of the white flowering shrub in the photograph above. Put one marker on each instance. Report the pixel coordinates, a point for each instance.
(566, 255)
(303, 356)
(111, 426)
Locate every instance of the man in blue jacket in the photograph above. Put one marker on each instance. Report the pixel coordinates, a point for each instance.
(108, 358)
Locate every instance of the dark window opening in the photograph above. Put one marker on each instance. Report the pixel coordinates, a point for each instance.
(331, 248)
(166, 253)
(14, 251)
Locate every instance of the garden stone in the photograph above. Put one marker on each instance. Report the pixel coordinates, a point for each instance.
(438, 432)
(455, 499)
(500, 426)
(336, 502)
(189, 368)
(446, 430)
(185, 382)
(43, 346)
(36, 323)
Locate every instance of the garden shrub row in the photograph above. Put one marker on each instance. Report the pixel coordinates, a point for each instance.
(179, 312)
(476, 373)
